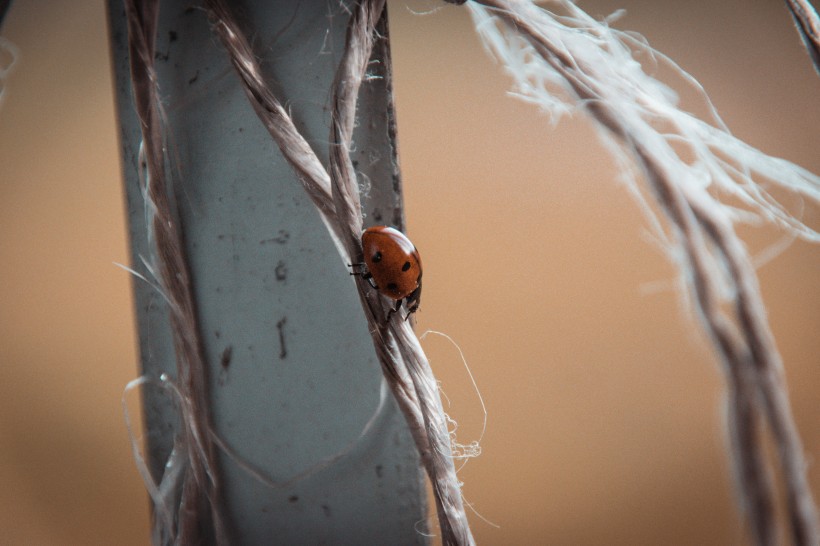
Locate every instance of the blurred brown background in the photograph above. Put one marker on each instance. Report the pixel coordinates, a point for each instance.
(605, 407)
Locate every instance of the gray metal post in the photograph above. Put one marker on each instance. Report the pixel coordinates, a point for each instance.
(293, 375)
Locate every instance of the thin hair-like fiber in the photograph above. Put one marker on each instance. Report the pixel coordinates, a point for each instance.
(575, 61)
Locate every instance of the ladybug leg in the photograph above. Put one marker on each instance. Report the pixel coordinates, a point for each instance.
(413, 301)
(364, 274)
(368, 277)
(394, 310)
(413, 308)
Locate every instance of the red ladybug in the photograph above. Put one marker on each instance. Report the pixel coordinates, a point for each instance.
(393, 266)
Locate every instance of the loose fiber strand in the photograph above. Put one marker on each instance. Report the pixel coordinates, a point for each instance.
(808, 26)
(438, 458)
(405, 367)
(200, 511)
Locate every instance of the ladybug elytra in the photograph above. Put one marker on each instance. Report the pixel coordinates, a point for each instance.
(392, 266)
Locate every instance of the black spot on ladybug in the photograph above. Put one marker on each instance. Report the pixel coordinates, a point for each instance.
(392, 286)
(406, 266)
(377, 257)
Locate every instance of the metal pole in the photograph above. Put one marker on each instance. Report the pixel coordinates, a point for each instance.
(293, 378)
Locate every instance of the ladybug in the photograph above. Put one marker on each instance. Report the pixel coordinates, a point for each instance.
(392, 266)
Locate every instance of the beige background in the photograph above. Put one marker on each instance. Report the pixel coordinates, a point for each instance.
(605, 408)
